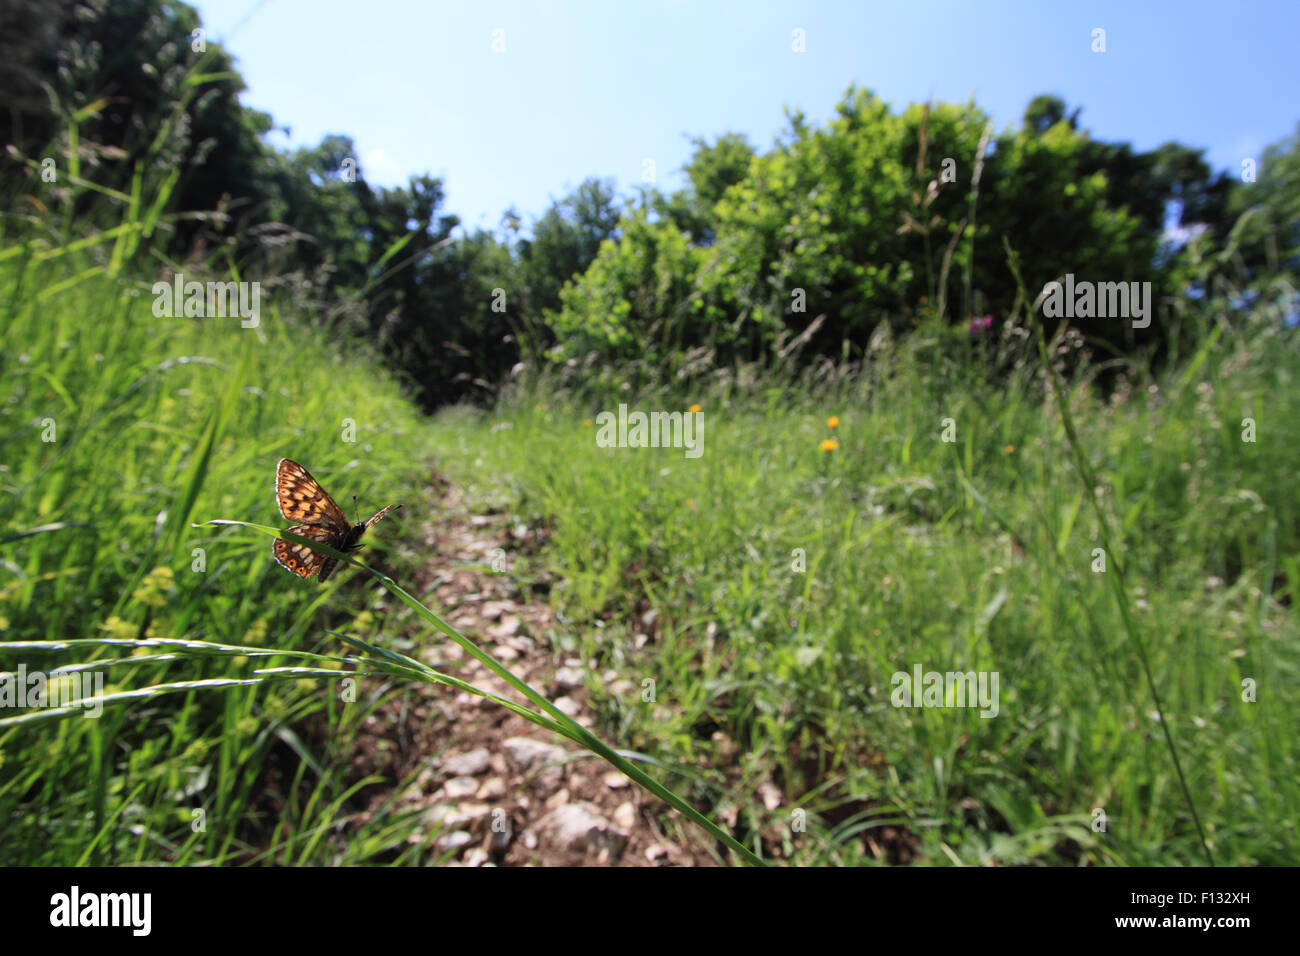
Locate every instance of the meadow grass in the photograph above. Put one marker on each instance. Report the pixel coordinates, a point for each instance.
(976, 554)
(120, 430)
(769, 589)
(129, 461)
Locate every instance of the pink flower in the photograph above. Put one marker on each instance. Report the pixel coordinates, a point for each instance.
(979, 324)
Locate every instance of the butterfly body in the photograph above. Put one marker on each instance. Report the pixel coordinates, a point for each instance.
(300, 498)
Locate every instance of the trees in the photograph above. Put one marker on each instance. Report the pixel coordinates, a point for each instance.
(633, 302)
(565, 241)
(871, 219)
(712, 170)
(1263, 205)
(136, 89)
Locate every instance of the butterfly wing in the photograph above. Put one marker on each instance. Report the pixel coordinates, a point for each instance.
(301, 498)
(299, 558)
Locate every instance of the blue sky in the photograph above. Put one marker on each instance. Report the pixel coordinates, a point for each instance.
(595, 88)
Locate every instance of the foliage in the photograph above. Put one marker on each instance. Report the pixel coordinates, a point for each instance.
(976, 554)
(121, 430)
(1265, 214)
(873, 219)
(972, 554)
(870, 222)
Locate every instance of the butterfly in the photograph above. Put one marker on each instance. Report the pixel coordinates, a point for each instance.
(301, 498)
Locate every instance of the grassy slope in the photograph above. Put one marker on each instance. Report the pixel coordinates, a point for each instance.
(789, 670)
(159, 423)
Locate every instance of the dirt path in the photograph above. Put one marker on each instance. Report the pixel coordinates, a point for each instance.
(496, 788)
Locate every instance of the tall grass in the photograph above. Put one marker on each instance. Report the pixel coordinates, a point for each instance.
(976, 554)
(764, 593)
(163, 441)
(152, 423)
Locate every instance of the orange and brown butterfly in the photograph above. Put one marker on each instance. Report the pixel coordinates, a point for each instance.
(300, 498)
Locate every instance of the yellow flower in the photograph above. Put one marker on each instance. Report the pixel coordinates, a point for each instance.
(833, 422)
(196, 751)
(162, 576)
(690, 503)
(1009, 449)
(153, 589)
(586, 423)
(696, 409)
(119, 628)
(829, 444)
(257, 633)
